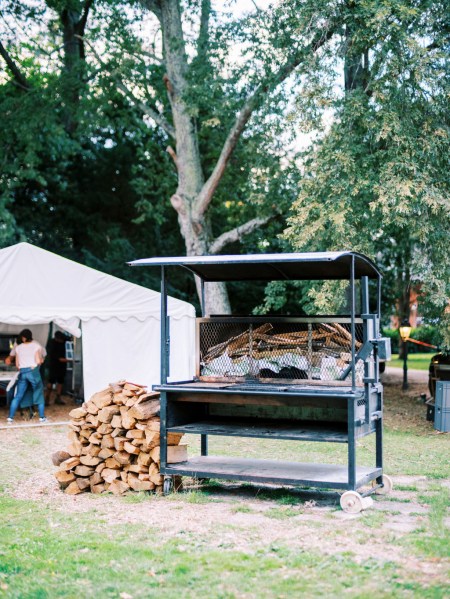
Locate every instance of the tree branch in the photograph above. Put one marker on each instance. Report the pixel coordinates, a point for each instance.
(19, 79)
(153, 6)
(238, 233)
(153, 114)
(205, 196)
(203, 38)
(82, 22)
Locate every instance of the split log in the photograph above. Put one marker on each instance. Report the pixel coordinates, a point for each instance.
(139, 485)
(84, 470)
(128, 421)
(95, 479)
(105, 429)
(65, 477)
(83, 483)
(109, 474)
(102, 398)
(131, 448)
(116, 421)
(106, 414)
(91, 408)
(177, 453)
(118, 487)
(112, 463)
(75, 448)
(145, 410)
(89, 460)
(60, 456)
(105, 453)
(123, 457)
(70, 463)
(73, 489)
(77, 413)
(107, 441)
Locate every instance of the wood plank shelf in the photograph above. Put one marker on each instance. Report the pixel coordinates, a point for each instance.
(268, 430)
(271, 471)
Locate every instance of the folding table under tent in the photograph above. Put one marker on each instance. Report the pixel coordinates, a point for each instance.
(119, 322)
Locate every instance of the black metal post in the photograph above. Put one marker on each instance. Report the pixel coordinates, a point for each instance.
(351, 450)
(163, 396)
(353, 329)
(379, 437)
(405, 365)
(203, 438)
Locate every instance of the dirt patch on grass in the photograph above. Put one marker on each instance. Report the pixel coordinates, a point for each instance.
(405, 410)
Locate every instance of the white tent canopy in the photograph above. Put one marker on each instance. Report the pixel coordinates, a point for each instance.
(119, 321)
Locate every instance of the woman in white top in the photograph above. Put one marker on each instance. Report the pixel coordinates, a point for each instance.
(28, 359)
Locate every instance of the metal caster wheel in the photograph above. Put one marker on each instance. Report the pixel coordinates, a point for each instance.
(353, 503)
(387, 485)
(168, 485)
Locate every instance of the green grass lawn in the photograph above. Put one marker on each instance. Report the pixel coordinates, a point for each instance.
(45, 555)
(415, 361)
(145, 546)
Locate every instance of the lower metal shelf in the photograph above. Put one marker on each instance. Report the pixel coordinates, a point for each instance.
(272, 471)
(268, 430)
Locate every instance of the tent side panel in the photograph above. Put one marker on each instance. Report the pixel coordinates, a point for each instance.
(114, 350)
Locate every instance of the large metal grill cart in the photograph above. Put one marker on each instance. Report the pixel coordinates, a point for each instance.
(305, 378)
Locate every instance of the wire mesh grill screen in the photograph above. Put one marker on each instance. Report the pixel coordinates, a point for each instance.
(277, 350)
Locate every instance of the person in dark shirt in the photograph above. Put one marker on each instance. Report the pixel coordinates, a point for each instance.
(57, 366)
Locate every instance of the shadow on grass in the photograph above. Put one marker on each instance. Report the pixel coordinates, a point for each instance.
(281, 495)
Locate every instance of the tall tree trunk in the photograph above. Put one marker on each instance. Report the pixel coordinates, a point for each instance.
(194, 194)
(194, 225)
(73, 19)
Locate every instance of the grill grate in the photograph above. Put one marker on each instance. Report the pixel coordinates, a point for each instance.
(258, 351)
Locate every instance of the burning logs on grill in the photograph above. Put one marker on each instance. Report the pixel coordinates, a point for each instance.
(114, 444)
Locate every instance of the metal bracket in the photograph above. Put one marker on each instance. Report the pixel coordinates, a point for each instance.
(363, 354)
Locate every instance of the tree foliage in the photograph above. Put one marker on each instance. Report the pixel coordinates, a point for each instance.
(94, 91)
(378, 180)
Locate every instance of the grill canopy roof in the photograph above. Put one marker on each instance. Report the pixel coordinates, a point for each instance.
(271, 267)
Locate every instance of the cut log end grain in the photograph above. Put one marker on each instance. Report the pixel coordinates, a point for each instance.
(118, 487)
(114, 443)
(60, 456)
(64, 477)
(73, 489)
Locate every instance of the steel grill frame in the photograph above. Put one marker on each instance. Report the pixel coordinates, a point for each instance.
(247, 404)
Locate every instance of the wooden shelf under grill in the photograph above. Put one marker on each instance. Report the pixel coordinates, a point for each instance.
(271, 471)
(267, 430)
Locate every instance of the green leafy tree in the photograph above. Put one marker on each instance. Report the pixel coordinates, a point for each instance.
(87, 94)
(378, 180)
(221, 110)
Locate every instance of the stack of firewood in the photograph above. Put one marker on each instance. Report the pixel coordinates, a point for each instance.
(262, 342)
(115, 443)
